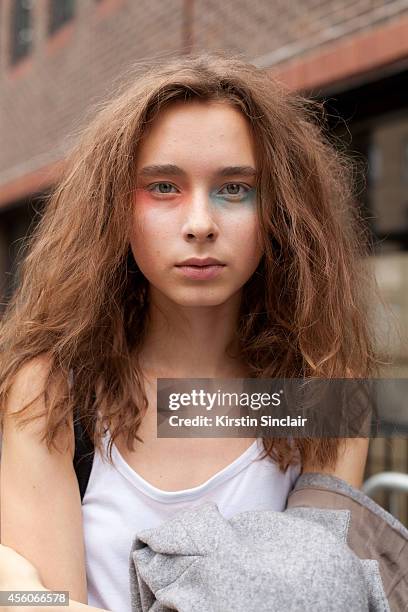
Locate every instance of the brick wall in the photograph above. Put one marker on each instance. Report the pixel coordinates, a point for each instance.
(275, 31)
(44, 98)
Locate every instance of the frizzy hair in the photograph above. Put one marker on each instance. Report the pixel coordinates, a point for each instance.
(82, 301)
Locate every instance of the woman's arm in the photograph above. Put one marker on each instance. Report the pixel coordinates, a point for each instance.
(350, 464)
(40, 505)
(18, 574)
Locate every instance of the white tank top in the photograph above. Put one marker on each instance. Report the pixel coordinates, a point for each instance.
(118, 503)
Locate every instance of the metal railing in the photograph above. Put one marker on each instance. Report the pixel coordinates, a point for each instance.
(394, 482)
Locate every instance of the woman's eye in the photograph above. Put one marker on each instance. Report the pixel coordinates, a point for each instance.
(234, 190)
(167, 188)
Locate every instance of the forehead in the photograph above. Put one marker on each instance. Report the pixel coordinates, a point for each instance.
(194, 133)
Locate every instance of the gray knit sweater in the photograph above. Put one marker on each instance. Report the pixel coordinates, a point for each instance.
(328, 551)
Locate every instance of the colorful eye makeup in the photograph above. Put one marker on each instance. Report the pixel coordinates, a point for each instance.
(239, 193)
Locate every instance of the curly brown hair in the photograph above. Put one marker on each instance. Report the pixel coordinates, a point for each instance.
(81, 301)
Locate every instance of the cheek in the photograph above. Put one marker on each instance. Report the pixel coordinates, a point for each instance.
(141, 243)
(148, 257)
(145, 220)
(152, 217)
(140, 210)
(149, 235)
(242, 231)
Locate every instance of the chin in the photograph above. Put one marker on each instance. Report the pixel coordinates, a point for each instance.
(203, 297)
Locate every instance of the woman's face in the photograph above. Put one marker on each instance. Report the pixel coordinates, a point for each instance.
(195, 198)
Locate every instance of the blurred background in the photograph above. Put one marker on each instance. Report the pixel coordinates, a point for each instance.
(58, 57)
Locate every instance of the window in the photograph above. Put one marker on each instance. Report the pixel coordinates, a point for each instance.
(61, 11)
(22, 33)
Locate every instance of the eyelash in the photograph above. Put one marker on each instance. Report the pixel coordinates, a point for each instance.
(231, 195)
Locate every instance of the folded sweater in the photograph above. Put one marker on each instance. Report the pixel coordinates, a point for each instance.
(332, 549)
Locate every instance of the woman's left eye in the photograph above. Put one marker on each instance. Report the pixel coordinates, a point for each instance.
(235, 189)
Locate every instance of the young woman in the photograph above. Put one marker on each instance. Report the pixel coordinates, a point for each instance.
(203, 158)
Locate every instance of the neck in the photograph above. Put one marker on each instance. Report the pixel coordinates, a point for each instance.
(191, 341)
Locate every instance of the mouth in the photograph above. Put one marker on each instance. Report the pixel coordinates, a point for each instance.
(200, 272)
(195, 262)
(200, 267)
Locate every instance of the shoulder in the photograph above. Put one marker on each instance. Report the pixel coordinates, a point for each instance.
(27, 390)
(28, 382)
(350, 464)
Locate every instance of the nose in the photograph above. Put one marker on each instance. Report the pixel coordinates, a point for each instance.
(199, 224)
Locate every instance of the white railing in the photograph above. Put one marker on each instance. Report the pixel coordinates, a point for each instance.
(395, 482)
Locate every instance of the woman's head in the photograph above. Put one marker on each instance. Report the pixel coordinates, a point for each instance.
(195, 198)
(294, 246)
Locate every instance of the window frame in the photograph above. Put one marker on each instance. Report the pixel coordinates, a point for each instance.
(21, 22)
(60, 12)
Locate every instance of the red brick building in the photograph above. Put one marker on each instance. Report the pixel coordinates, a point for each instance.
(58, 57)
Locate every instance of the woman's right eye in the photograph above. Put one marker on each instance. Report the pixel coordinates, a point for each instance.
(166, 188)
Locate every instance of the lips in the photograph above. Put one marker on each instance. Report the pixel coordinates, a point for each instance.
(197, 262)
(197, 269)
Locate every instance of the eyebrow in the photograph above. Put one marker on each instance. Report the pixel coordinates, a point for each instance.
(172, 170)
